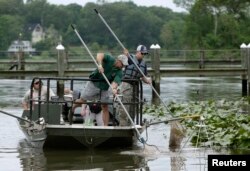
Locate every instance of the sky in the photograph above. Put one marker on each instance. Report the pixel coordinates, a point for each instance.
(160, 3)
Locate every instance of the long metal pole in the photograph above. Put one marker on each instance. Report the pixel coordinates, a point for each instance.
(106, 79)
(174, 119)
(103, 20)
(19, 118)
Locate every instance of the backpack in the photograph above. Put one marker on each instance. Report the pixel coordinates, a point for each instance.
(95, 108)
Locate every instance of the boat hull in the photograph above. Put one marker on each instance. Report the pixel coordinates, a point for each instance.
(88, 136)
(80, 136)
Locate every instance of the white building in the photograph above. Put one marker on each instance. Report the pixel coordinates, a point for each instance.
(37, 34)
(21, 45)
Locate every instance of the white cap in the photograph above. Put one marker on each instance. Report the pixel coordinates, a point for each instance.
(123, 59)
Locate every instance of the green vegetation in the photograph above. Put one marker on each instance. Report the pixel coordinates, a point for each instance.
(227, 122)
(207, 24)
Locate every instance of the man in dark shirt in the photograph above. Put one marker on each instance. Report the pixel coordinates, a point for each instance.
(112, 69)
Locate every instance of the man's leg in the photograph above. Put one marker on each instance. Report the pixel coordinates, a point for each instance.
(105, 116)
(99, 119)
(78, 103)
(123, 117)
(87, 94)
(75, 105)
(126, 91)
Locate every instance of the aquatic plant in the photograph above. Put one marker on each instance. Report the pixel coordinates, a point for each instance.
(227, 122)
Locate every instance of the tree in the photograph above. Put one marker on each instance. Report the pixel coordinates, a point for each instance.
(199, 23)
(10, 28)
(35, 11)
(215, 23)
(209, 23)
(11, 7)
(172, 34)
(186, 4)
(132, 24)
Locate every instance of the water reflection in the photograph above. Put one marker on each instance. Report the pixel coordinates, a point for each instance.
(135, 159)
(105, 160)
(178, 163)
(31, 158)
(100, 160)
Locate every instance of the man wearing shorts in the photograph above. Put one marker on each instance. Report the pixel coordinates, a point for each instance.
(112, 69)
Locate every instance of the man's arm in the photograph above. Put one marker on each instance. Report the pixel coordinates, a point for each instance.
(25, 100)
(130, 57)
(146, 80)
(114, 86)
(99, 60)
(117, 80)
(25, 105)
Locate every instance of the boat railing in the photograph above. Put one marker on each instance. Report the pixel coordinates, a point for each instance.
(76, 84)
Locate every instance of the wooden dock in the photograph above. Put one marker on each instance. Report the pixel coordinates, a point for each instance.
(164, 72)
(168, 68)
(232, 63)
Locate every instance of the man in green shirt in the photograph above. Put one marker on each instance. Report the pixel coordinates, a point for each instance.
(112, 69)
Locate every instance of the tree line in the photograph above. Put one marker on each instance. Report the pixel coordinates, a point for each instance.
(207, 24)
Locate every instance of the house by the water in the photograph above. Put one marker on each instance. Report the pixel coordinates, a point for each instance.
(21, 45)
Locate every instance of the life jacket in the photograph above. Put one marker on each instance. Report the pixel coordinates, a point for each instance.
(131, 70)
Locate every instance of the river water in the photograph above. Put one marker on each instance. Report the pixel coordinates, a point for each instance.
(16, 154)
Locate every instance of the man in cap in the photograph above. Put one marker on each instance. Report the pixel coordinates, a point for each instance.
(112, 69)
(37, 86)
(132, 72)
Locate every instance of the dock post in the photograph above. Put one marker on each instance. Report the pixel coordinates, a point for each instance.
(202, 57)
(244, 65)
(20, 56)
(155, 61)
(244, 85)
(60, 67)
(21, 60)
(247, 48)
(67, 59)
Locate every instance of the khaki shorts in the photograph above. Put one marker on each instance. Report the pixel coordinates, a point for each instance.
(91, 92)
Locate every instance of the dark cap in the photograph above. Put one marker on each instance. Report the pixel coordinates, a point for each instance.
(142, 49)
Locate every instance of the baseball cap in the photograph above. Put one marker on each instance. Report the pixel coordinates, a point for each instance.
(142, 49)
(123, 59)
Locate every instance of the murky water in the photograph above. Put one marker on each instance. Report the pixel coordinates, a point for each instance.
(16, 154)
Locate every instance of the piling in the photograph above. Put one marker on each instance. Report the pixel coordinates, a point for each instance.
(20, 54)
(244, 65)
(248, 68)
(61, 69)
(155, 58)
(21, 60)
(202, 58)
(244, 85)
